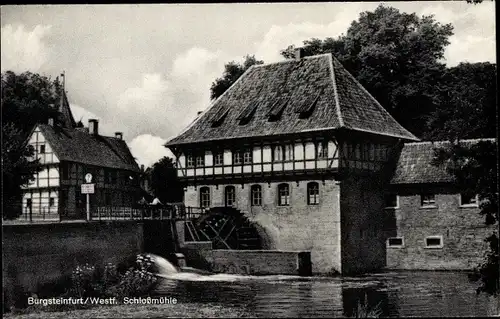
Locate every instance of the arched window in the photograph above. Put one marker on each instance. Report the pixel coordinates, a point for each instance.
(230, 195)
(312, 193)
(204, 197)
(283, 195)
(256, 195)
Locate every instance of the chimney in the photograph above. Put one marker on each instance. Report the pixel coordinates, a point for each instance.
(119, 135)
(93, 126)
(299, 53)
(50, 121)
(142, 168)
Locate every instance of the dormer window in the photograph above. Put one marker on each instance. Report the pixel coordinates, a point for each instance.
(277, 109)
(218, 119)
(247, 114)
(307, 107)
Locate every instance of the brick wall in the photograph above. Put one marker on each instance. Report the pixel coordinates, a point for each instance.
(463, 231)
(363, 242)
(298, 227)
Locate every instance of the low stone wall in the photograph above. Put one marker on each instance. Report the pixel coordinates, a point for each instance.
(38, 254)
(247, 262)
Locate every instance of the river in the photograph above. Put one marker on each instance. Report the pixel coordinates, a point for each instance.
(397, 294)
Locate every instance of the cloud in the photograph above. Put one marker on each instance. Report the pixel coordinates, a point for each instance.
(148, 149)
(280, 36)
(24, 50)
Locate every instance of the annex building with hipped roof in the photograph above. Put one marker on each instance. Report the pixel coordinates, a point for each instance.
(66, 153)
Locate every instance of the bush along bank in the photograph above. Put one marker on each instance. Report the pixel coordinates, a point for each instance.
(91, 285)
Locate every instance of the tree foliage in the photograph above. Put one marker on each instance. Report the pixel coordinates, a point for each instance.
(232, 71)
(27, 99)
(396, 56)
(475, 169)
(164, 181)
(467, 103)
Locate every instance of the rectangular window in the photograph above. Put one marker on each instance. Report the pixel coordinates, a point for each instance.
(42, 149)
(248, 156)
(237, 157)
(189, 160)
(395, 242)
(204, 197)
(278, 153)
(468, 200)
(434, 242)
(312, 193)
(391, 201)
(200, 160)
(230, 195)
(218, 159)
(288, 154)
(322, 150)
(256, 193)
(283, 195)
(51, 202)
(428, 200)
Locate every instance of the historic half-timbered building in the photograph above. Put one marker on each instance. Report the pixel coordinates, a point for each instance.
(300, 148)
(67, 153)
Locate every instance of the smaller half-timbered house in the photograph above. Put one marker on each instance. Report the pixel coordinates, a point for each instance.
(67, 153)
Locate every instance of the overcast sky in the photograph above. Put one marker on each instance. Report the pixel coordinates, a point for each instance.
(146, 69)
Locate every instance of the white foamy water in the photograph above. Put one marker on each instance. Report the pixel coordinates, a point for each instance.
(164, 266)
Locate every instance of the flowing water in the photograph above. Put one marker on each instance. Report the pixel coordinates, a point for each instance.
(397, 294)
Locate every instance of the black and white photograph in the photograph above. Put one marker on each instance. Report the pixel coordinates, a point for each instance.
(250, 160)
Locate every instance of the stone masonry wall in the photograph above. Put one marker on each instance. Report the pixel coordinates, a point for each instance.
(298, 227)
(463, 231)
(363, 242)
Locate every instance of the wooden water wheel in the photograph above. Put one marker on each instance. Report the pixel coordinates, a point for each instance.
(228, 228)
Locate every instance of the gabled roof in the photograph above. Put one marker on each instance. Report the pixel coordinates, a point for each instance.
(281, 91)
(414, 163)
(79, 146)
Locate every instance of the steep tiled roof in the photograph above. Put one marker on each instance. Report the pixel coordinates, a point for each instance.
(414, 163)
(293, 96)
(79, 146)
(66, 117)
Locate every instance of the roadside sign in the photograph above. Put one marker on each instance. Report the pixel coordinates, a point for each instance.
(88, 178)
(88, 188)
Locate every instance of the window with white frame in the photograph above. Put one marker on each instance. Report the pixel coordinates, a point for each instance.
(218, 158)
(322, 150)
(237, 157)
(278, 153)
(256, 195)
(468, 200)
(312, 193)
(230, 195)
(189, 160)
(204, 197)
(391, 201)
(434, 242)
(200, 160)
(248, 156)
(283, 194)
(428, 200)
(395, 242)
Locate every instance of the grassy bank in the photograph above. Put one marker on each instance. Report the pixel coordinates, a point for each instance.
(182, 310)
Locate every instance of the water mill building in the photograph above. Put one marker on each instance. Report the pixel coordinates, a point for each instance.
(305, 153)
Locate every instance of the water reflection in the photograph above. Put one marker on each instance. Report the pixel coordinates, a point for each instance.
(395, 294)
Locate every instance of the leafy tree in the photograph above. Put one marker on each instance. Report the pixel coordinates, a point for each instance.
(467, 103)
(475, 168)
(232, 71)
(164, 181)
(26, 100)
(396, 56)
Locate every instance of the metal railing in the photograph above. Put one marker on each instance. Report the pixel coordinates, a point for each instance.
(42, 215)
